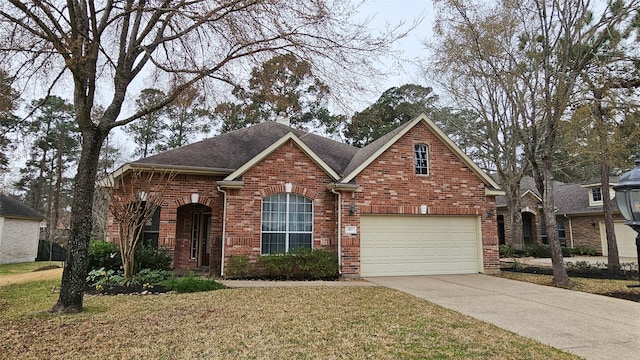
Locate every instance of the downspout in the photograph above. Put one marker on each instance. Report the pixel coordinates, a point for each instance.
(570, 230)
(224, 228)
(339, 230)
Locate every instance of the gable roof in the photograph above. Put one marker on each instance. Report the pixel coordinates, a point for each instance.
(11, 208)
(226, 153)
(232, 153)
(369, 153)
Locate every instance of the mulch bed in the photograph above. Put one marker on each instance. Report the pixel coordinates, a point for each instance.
(128, 290)
(589, 274)
(624, 295)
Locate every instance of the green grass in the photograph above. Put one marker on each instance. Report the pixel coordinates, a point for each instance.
(21, 268)
(27, 298)
(265, 323)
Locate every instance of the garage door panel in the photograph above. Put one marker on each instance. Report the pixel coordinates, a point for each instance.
(418, 245)
(625, 238)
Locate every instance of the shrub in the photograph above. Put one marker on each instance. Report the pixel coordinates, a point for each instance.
(148, 276)
(103, 278)
(301, 264)
(103, 254)
(537, 250)
(191, 283)
(583, 251)
(237, 266)
(150, 258)
(506, 251)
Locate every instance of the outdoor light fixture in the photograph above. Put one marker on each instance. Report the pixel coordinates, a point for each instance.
(628, 199)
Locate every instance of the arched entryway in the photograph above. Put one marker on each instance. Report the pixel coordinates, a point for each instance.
(199, 241)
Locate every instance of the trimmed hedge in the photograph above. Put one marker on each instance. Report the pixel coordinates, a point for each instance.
(301, 264)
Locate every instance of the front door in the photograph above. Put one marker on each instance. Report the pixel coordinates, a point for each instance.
(201, 238)
(205, 240)
(527, 228)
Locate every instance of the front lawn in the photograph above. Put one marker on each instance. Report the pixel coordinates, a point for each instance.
(21, 268)
(266, 323)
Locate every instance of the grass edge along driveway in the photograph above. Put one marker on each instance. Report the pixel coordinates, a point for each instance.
(254, 323)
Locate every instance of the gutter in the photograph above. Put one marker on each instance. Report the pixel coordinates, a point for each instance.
(333, 190)
(224, 228)
(570, 230)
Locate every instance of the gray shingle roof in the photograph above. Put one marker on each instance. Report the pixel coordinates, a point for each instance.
(11, 208)
(231, 150)
(568, 198)
(364, 153)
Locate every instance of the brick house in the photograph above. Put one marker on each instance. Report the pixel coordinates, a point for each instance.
(409, 203)
(579, 215)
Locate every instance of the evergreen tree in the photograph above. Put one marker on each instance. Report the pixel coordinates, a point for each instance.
(395, 106)
(283, 87)
(45, 179)
(147, 131)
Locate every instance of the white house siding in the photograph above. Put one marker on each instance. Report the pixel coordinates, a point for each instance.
(18, 240)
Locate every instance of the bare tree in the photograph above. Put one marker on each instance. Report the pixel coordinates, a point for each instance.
(133, 200)
(175, 42)
(552, 42)
(474, 55)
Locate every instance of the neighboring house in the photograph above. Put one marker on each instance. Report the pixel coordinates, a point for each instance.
(19, 231)
(579, 215)
(409, 203)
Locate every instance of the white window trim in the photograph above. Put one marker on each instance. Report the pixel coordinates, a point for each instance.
(593, 202)
(415, 165)
(287, 231)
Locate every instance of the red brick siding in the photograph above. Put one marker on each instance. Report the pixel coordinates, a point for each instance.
(390, 186)
(175, 215)
(287, 164)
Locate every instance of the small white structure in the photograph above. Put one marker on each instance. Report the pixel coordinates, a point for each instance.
(19, 231)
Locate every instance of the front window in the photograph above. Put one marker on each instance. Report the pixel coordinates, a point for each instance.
(421, 152)
(287, 223)
(151, 230)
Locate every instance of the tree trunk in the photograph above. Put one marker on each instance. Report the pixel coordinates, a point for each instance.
(515, 217)
(128, 264)
(560, 277)
(75, 267)
(613, 258)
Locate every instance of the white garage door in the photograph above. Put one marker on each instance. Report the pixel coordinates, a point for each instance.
(419, 245)
(625, 237)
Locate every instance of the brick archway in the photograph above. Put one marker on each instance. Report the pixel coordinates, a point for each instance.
(295, 189)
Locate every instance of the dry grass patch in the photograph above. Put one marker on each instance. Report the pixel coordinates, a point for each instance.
(262, 323)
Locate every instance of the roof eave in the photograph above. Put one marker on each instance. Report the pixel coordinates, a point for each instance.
(110, 179)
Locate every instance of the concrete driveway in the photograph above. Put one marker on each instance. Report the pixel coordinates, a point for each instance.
(591, 326)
